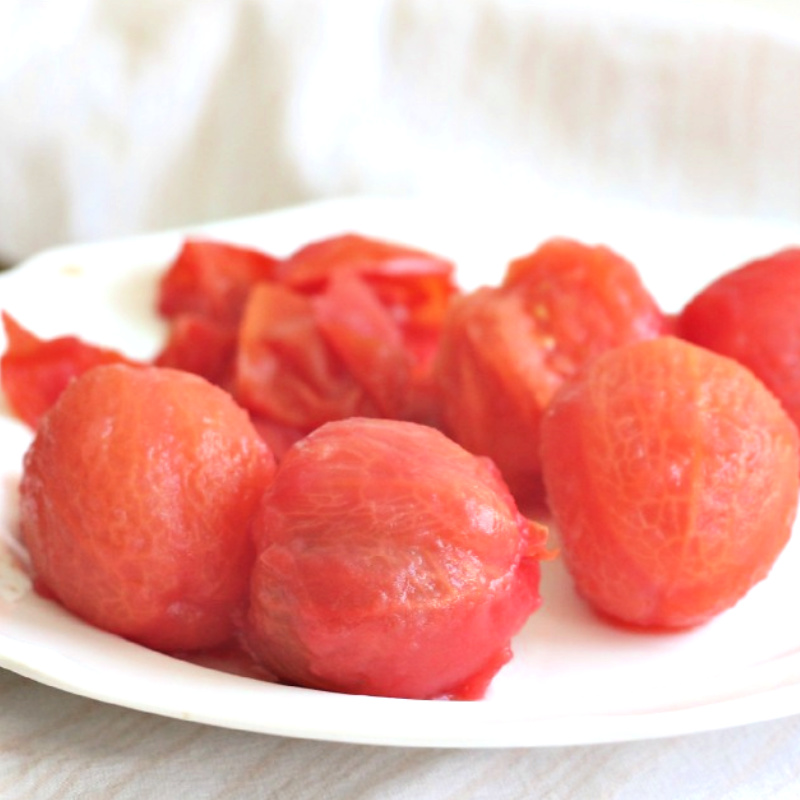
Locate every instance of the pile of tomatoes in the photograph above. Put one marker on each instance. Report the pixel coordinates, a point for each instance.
(338, 456)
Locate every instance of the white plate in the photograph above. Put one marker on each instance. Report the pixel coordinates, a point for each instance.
(574, 679)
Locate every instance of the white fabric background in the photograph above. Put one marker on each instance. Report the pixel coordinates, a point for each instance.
(118, 117)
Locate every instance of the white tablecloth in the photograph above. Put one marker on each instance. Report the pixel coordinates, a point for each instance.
(118, 117)
(55, 746)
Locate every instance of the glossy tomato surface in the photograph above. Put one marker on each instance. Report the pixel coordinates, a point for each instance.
(390, 562)
(752, 314)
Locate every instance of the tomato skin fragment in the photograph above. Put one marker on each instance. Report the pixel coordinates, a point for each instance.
(34, 372)
(286, 371)
(414, 286)
(363, 334)
(348, 327)
(213, 279)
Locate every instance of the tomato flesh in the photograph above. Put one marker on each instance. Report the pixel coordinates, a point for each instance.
(212, 279)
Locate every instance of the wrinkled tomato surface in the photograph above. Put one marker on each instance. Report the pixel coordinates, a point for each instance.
(672, 476)
(135, 504)
(752, 314)
(505, 351)
(390, 562)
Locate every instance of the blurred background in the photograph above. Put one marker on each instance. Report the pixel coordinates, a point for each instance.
(118, 117)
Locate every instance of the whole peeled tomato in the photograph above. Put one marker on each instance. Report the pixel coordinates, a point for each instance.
(672, 475)
(505, 351)
(390, 562)
(136, 500)
(752, 314)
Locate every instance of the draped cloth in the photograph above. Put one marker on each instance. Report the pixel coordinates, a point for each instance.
(119, 117)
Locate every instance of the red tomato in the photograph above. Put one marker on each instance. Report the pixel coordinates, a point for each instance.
(752, 314)
(135, 505)
(34, 372)
(390, 562)
(672, 475)
(213, 279)
(505, 351)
